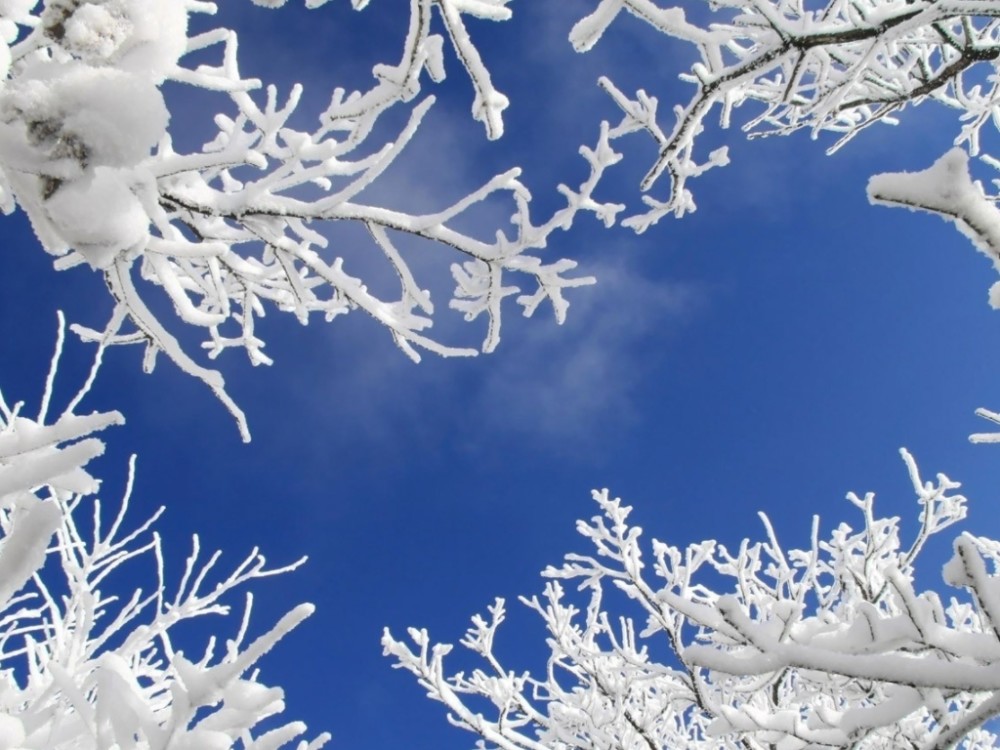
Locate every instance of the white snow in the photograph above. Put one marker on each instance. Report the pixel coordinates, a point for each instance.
(946, 188)
(99, 216)
(60, 118)
(139, 36)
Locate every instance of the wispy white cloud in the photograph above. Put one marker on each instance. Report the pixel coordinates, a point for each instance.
(556, 387)
(568, 383)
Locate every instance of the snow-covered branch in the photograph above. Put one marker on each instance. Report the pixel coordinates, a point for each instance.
(833, 67)
(84, 662)
(947, 189)
(828, 645)
(235, 228)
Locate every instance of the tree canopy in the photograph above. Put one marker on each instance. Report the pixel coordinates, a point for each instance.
(831, 645)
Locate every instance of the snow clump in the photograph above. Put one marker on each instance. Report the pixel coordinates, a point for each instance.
(99, 216)
(80, 115)
(139, 36)
(61, 118)
(74, 135)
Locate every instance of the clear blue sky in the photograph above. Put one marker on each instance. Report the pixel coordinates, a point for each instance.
(770, 352)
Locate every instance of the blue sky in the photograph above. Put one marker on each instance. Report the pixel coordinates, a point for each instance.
(770, 352)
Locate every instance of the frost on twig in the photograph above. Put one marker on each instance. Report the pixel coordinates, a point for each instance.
(836, 67)
(234, 229)
(829, 645)
(84, 668)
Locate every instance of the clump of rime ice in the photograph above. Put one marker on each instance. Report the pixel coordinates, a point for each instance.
(68, 117)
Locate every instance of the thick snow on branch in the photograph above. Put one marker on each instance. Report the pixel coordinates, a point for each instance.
(947, 189)
(829, 645)
(236, 228)
(836, 66)
(83, 667)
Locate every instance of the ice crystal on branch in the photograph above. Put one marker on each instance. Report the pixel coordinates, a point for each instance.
(825, 646)
(236, 228)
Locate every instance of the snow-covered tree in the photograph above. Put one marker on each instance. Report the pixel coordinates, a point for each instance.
(235, 227)
(827, 646)
(832, 68)
(85, 663)
(86, 150)
(227, 231)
